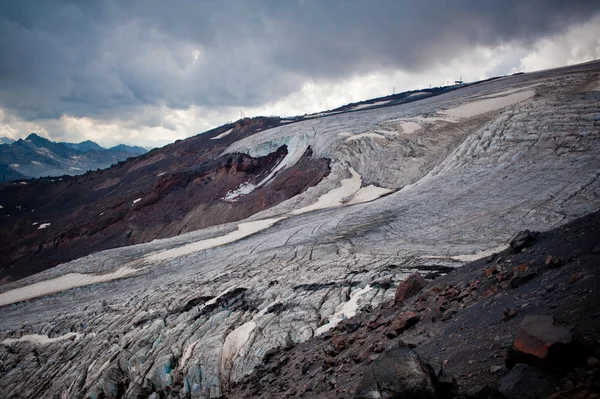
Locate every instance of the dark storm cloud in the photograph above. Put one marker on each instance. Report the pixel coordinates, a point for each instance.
(108, 58)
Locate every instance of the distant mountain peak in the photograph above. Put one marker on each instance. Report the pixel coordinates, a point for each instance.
(34, 136)
(136, 150)
(36, 156)
(85, 146)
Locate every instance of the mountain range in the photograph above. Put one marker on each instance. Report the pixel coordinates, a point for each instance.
(36, 156)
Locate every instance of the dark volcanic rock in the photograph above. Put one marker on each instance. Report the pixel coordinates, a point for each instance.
(554, 261)
(472, 343)
(522, 278)
(397, 373)
(522, 240)
(526, 382)
(406, 320)
(410, 287)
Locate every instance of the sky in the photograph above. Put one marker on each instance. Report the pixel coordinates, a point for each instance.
(149, 72)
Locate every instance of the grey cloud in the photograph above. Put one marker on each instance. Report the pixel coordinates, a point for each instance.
(107, 59)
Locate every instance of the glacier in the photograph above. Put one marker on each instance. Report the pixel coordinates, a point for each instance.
(451, 177)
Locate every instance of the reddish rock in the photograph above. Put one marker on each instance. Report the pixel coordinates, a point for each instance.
(362, 356)
(405, 321)
(538, 333)
(339, 342)
(422, 304)
(328, 363)
(474, 284)
(373, 322)
(409, 287)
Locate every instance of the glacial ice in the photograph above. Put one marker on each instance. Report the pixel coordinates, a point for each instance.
(457, 187)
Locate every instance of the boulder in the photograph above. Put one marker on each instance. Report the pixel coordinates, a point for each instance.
(521, 278)
(405, 321)
(338, 342)
(397, 373)
(541, 342)
(526, 382)
(538, 333)
(522, 240)
(409, 287)
(554, 261)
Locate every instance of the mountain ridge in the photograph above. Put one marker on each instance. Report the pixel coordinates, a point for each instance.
(36, 156)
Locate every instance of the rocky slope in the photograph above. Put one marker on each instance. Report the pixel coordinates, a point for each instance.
(478, 321)
(422, 186)
(170, 191)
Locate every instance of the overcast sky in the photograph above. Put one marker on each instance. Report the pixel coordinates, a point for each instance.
(149, 72)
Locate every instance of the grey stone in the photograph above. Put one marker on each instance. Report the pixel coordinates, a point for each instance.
(526, 382)
(397, 373)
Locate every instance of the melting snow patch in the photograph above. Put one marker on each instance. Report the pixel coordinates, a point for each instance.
(160, 174)
(409, 127)
(43, 226)
(23, 182)
(14, 165)
(481, 254)
(369, 135)
(507, 92)
(243, 189)
(344, 310)
(479, 107)
(349, 193)
(368, 193)
(36, 162)
(361, 106)
(421, 93)
(135, 201)
(41, 339)
(244, 230)
(336, 196)
(62, 283)
(34, 223)
(220, 136)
